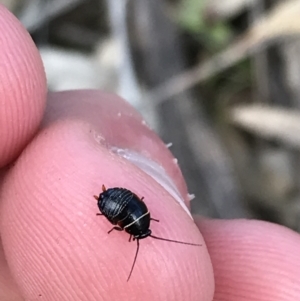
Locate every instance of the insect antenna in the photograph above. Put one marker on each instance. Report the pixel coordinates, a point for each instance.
(176, 241)
(136, 254)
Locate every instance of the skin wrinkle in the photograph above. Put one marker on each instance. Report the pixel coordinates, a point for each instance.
(7, 286)
(61, 251)
(50, 264)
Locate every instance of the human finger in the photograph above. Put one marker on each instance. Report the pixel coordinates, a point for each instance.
(253, 260)
(22, 101)
(55, 244)
(22, 87)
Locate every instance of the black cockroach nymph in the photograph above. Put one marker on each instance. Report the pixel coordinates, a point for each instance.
(126, 210)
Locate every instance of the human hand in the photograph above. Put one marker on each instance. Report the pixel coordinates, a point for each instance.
(54, 247)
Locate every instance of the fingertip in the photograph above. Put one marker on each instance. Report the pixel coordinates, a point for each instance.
(118, 125)
(22, 87)
(52, 236)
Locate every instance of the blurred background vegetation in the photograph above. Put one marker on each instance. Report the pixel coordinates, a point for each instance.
(218, 79)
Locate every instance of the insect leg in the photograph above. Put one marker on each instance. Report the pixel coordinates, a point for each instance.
(99, 214)
(130, 238)
(153, 219)
(115, 228)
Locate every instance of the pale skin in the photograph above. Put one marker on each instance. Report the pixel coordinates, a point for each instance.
(54, 247)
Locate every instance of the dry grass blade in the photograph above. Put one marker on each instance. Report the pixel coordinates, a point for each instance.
(269, 122)
(282, 21)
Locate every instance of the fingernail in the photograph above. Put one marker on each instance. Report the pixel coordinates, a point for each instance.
(156, 171)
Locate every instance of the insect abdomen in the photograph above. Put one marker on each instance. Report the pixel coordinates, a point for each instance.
(113, 202)
(133, 213)
(122, 207)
